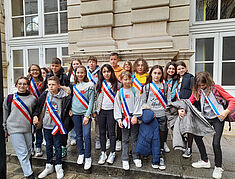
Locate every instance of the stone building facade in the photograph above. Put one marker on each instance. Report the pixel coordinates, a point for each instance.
(157, 31)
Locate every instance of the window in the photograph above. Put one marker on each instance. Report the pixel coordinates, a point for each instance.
(25, 18)
(214, 9)
(55, 16)
(18, 65)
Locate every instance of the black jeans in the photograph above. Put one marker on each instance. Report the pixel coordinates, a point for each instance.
(219, 127)
(106, 119)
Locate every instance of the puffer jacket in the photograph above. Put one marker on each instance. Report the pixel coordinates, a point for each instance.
(148, 142)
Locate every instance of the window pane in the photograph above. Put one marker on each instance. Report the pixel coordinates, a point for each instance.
(204, 49)
(227, 9)
(33, 56)
(18, 73)
(228, 77)
(228, 48)
(65, 51)
(18, 58)
(63, 22)
(50, 54)
(50, 5)
(51, 23)
(63, 5)
(32, 27)
(18, 27)
(199, 67)
(17, 7)
(31, 7)
(206, 10)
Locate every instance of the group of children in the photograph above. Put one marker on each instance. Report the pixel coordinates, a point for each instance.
(124, 103)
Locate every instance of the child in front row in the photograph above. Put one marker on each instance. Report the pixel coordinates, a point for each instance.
(127, 108)
(156, 95)
(52, 112)
(82, 104)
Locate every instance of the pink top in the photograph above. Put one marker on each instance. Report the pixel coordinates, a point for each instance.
(224, 94)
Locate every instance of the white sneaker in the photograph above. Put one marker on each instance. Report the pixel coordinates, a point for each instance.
(111, 158)
(102, 158)
(138, 163)
(155, 166)
(107, 144)
(162, 165)
(201, 164)
(87, 164)
(217, 173)
(166, 148)
(118, 145)
(73, 142)
(125, 165)
(48, 170)
(97, 145)
(39, 152)
(59, 171)
(80, 159)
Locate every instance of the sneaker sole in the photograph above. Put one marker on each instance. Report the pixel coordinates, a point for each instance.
(201, 167)
(162, 168)
(186, 156)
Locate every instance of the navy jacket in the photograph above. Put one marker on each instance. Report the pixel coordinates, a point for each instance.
(148, 142)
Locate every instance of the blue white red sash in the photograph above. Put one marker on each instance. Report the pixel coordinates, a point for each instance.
(56, 118)
(211, 104)
(108, 91)
(177, 94)
(91, 77)
(21, 106)
(126, 121)
(73, 73)
(80, 97)
(34, 89)
(137, 84)
(159, 95)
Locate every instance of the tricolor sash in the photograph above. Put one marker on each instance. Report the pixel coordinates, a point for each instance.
(126, 121)
(159, 95)
(177, 94)
(211, 104)
(73, 73)
(22, 107)
(91, 77)
(34, 89)
(108, 91)
(80, 97)
(137, 84)
(56, 118)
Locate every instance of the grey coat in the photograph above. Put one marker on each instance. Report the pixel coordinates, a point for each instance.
(193, 122)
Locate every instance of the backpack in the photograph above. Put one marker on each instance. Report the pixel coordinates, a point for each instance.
(9, 101)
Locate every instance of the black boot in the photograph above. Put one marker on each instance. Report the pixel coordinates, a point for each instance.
(30, 176)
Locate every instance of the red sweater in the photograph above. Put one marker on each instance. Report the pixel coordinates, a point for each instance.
(224, 94)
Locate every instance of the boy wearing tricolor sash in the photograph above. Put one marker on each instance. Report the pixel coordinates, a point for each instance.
(53, 113)
(127, 108)
(156, 94)
(17, 113)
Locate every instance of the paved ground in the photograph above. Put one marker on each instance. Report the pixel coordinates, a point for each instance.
(177, 167)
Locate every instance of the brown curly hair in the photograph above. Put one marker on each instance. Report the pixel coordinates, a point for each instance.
(146, 66)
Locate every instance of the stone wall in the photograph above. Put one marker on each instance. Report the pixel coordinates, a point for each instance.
(2, 31)
(155, 30)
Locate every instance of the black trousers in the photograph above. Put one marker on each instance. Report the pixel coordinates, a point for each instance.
(106, 121)
(219, 127)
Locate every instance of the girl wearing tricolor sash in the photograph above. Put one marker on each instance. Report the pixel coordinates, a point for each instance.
(157, 95)
(140, 69)
(36, 88)
(17, 123)
(82, 104)
(106, 90)
(127, 108)
(71, 74)
(215, 105)
(184, 91)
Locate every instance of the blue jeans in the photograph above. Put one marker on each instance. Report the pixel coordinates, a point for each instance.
(50, 141)
(83, 133)
(72, 134)
(22, 143)
(39, 138)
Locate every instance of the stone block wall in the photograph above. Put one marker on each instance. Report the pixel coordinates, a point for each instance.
(155, 30)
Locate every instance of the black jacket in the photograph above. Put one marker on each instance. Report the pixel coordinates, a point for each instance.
(66, 106)
(186, 86)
